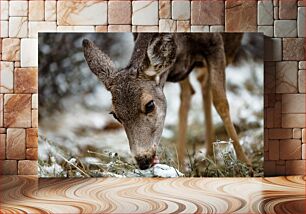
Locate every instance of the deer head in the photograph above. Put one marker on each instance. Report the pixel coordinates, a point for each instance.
(138, 101)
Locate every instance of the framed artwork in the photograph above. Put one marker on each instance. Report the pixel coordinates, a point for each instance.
(150, 104)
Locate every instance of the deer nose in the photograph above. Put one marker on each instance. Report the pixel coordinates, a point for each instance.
(144, 162)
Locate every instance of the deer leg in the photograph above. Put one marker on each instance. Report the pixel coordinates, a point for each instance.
(222, 107)
(204, 79)
(216, 64)
(186, 93)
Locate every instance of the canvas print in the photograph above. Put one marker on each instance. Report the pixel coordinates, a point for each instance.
(150, 104)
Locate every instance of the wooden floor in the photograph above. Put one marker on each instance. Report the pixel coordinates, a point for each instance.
(186, 195)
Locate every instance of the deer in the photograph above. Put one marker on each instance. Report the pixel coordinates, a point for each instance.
(138, 101)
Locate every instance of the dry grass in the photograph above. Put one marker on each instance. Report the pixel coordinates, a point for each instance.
(109, 164)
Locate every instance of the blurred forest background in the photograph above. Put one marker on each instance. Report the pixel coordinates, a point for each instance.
(78, 138)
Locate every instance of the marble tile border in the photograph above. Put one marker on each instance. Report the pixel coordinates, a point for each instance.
(283, 20)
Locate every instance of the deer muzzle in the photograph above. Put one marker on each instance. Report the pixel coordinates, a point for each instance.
(145, 161)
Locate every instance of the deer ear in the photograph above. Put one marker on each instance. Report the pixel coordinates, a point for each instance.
(161, 53)
(99, 63)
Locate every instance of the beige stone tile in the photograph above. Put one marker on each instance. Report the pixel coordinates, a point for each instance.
(297, 133)
(290, 149)
(17, 110)
(32, 138)
(164, 9)
(207, 12)
(278, 114)
(275, 13)
(301, 22)
(216, 28)
(27, 167)
(18, 27)
(7, 77)
(266, 155)
(1, 110)
(293, 49)
(119, 12)
(280, 170)
(119, 28)
(8, 167)
(240, 15)
(167, 25)
(29, 59)
(199, 28)
(274, 150)
(286, 77)
(134, 28)
(50, 10)
(266, 140)
(293, 120)
(81, 29)
(101, 28)
(180, 10)
(11, 49)
(34, 118)
(15, 144)
(18, 8)
(183, 26)
(265, 12)
(269, 118)
(34, 101)
(4, 12)
(287, 9)
(17, 64)
(145, 13)
(266, 30)
(36, 26)
(293, 103)
(4, 29)
(26, 80)
(281, 163)
(82, 12)
(2, 146)
(147, 28)
(280, 134)
(302, 65)
(269, 168)
(285, 28)
(301, 3)
(304, 151)
(295, 167)
(31, 154)
(302, 82)
(36, 10)
(304, 135)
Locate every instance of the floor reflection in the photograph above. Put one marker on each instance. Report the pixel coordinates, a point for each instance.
(130, 195)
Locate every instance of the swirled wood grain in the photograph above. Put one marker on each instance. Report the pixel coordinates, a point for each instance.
(136, 195)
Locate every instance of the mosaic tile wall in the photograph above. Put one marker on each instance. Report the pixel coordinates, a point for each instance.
(282, 20)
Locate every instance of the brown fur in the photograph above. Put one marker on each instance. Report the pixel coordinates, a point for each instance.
(172, 57)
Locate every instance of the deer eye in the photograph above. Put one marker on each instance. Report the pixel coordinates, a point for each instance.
(115, 116)
(149, 107)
